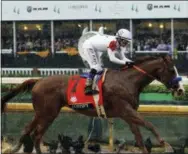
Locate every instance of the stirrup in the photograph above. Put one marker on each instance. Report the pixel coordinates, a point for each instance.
(90, 91)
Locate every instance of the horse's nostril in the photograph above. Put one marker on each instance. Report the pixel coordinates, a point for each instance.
(180, 90)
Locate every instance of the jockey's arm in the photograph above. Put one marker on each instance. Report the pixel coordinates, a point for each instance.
(113, 58)
(123, 52)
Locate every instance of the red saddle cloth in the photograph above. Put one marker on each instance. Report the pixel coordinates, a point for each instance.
(76, 96)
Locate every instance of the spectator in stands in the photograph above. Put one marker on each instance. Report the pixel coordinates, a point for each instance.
(147, 46)
(162, 46)
(37, 45)
(138, 46)
(169, 48)
(23, 46)
(45, 44)
(67, 43)
(58, 45)
(29, 45)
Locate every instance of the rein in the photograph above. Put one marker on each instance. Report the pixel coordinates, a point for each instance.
(142, 71)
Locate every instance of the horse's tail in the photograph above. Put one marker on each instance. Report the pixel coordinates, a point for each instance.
(25, 86)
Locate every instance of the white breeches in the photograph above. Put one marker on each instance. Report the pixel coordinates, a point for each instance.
(92, 57)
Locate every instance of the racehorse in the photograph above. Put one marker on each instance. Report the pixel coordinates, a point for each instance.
(121, 98)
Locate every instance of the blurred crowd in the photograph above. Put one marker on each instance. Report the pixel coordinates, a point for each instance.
(33, 41)
(143, 41)
(62, 43)
(151, 44)
(181, 40)
(33, 45)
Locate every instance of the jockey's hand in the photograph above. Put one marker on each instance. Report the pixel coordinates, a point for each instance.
(130, 63)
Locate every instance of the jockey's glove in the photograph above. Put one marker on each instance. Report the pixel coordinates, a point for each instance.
(129, 63)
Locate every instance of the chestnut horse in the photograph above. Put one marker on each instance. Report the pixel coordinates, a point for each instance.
(121, 90)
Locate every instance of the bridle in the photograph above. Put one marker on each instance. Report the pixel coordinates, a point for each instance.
(171, 82)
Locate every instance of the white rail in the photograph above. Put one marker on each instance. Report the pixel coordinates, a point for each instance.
(42, 71)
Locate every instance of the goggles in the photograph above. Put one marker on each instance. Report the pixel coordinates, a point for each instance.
(124, 41)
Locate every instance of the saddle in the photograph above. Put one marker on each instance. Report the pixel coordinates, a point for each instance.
(77, 99)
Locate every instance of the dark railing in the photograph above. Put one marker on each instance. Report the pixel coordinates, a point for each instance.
(66, 61)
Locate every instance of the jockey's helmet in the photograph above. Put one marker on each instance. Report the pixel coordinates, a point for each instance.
(123, 36)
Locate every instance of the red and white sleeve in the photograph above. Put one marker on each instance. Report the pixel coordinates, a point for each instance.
(113, 45)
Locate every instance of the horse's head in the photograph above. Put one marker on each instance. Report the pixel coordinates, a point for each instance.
(168, 75)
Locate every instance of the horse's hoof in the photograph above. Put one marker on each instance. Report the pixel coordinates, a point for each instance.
(145, 151)
(168, 148)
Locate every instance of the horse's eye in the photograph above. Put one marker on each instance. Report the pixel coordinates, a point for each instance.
(172, 70)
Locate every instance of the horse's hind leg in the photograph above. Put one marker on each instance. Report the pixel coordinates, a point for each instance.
(43, 124)
(27, 130)
(39, 132)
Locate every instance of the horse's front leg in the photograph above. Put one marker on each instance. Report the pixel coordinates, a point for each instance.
(138, 136)
(135, 118)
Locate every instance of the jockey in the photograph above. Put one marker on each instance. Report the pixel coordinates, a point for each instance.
(92, 48)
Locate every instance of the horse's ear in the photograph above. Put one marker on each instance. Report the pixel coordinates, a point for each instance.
(167, 58)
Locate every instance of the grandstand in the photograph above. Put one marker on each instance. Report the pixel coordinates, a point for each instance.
(43, 35)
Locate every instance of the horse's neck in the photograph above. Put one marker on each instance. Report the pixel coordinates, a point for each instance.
(142, 80)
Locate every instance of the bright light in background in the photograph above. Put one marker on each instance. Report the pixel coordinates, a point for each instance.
(25, 28)
(38, 27)
(105, 28)
(79, 25)
(161, 26)
(150, 25)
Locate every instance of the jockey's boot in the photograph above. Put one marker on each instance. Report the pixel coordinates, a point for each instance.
(89, 83)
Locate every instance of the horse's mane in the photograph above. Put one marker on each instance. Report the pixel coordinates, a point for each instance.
(142, 59)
